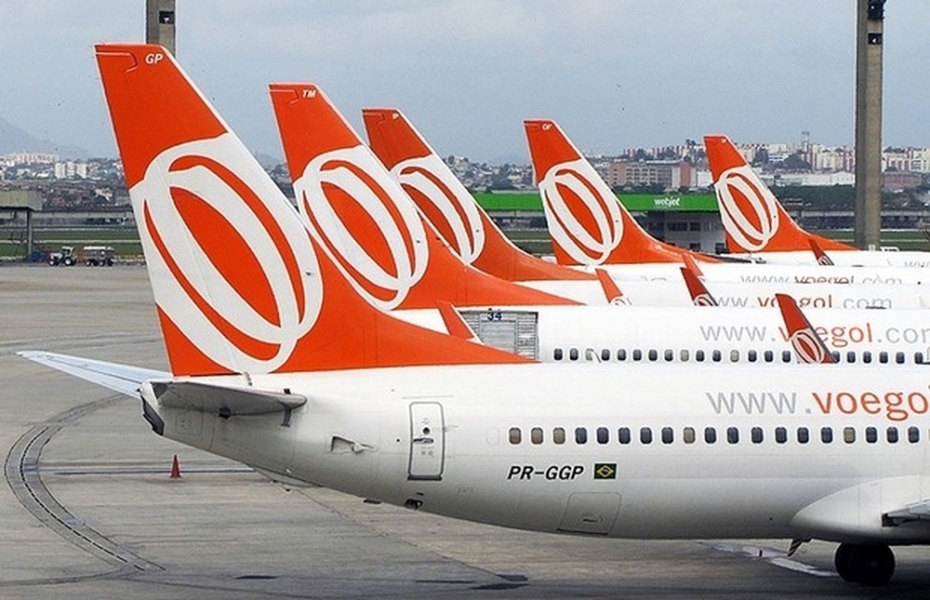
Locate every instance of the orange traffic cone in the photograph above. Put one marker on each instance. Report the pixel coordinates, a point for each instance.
(175, 468)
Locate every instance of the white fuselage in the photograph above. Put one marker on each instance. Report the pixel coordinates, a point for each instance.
(846, 258)
(642, 451)
(673, 292)
(619, 334)
(753, 273)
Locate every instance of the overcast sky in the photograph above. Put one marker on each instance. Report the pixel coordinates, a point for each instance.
(614, 73)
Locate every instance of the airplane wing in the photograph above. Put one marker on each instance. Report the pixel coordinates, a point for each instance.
(225, 401)
(918, 511)
(124, 379)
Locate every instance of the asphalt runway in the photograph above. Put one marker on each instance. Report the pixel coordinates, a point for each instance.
(89, 511)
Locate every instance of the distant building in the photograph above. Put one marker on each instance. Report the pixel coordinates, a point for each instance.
(670, 174)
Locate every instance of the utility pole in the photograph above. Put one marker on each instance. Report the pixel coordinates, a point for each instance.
(869, 45)
(159, 23)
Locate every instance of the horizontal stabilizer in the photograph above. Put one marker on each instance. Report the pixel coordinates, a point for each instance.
(124, 379)
(224, 401)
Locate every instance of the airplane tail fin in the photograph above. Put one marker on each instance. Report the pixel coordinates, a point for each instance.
(753, 218)
(448, 206)
(807, 345)
(238, 283)
(587, 223)
(366, 223)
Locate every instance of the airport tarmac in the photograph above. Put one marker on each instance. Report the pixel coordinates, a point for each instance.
(89, 510)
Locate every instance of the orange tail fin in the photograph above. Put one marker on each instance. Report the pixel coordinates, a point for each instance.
(587, 223)
(238, 283)
(366, 223)
(448, 206)
(753, 218)
(808, 346)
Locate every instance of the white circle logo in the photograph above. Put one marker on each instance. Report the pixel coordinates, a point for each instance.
(704, 299)
(583, 214)
(362, 219)
(807, 346)
(748, 209)
(439, 195)
(224, 264)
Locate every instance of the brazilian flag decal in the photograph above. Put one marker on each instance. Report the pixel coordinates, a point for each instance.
(605, 470)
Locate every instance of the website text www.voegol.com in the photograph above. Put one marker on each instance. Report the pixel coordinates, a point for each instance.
(893, 405)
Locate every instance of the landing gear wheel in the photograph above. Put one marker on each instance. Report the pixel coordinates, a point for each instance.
(841, 562)
(872, 565)
(866, 565)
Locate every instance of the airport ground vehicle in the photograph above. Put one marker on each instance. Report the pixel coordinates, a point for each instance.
(92, 256)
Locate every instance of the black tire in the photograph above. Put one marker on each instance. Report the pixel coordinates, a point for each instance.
(842, 564)
(68, 261)
(872, 565)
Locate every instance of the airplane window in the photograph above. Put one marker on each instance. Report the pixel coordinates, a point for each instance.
(669, 355)
(623, 434)
(768, 356)
(603, 436)
(734, 355)
(849, 434)
(781, 435)
(515, 435)
(913, 435)
(871, 435)
(883, 357)
(605, 354)
(826, 435)
(699, 355)
(687, 435)
(786, 356)
(836, 356)
(866, 357)
(558, 435)
(751, 355)
(710, 435)
(892, 435)
(573, 354)
(803, 435)
(732, 435)
(918, 357)
(645, 435)
(637, 354)
(684, 356)
(536, 435)
(557, 354)
(899, 358)
(668, 435)
(581, 435)
(756, 434)
(621, 354)
(716, 356)
(850, 357)
(653, 354)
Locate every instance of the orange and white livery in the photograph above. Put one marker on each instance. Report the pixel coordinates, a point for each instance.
(238, 283)
(757, 225)
(366, 223)
(383, 410)
(448, 206)
(587, 223)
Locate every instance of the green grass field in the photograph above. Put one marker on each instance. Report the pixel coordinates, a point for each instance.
(125, 241)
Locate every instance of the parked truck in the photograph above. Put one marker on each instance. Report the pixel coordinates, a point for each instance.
(92, 256)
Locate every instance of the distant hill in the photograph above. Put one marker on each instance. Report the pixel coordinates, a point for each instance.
(14, 139)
